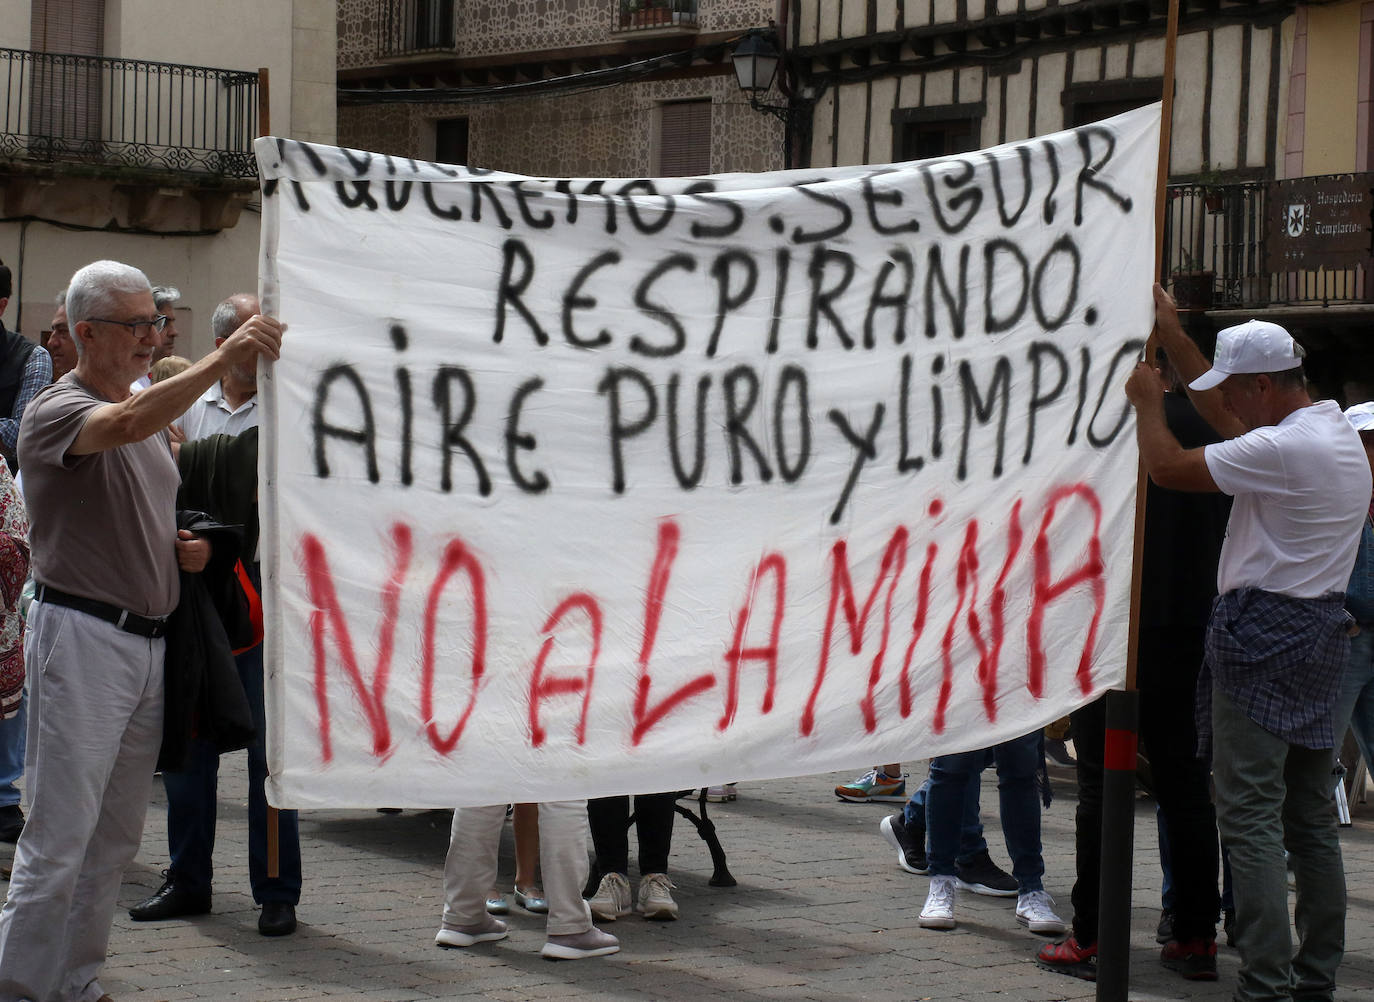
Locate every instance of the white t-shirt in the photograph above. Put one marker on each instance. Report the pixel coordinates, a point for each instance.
(211, 415)
(1302, 491)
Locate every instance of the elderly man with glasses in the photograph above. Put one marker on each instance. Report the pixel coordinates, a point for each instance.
(99, 476)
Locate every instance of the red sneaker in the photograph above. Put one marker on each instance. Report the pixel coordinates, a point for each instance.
(1069, 957)
(1195, 959)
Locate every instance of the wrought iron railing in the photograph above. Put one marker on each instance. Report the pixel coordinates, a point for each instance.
(127, 113)
(1216, 254)
(413, 27)
(642, 15)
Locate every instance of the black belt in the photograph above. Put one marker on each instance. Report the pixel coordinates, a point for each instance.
(127, 621)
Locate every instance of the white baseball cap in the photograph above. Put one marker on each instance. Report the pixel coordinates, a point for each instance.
(1254, 346)
(1361, 416)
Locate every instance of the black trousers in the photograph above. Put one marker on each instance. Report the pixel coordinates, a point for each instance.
(1167, 669)
(608, 817)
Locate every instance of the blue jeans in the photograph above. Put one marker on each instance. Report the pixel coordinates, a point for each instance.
(1017, 760)
(971, 841)
(1355, 701)
(12, 746)
(1270, 796)
(192, 798)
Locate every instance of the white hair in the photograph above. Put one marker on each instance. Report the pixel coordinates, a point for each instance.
(225, 320)
(165, 295)
(94, 289)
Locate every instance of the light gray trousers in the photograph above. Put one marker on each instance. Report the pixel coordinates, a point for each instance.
(95, 726)
(470, 868)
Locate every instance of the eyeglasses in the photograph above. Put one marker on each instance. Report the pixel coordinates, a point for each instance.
(156, 324)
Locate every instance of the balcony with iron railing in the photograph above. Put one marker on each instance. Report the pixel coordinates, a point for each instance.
(648, 15)
(94, 113)
(1261, 244)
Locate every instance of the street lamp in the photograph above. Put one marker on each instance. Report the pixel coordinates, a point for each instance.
(756, 61)
(756, 64)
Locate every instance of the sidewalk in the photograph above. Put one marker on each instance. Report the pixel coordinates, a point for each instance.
(821, 912)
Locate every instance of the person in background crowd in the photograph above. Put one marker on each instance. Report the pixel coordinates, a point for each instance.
(527, 894)
(25, 368)
(1277, 640)
(230, 406)
(192, 794)
(59, 341)
(610, 818)
(14, 571)
(1355, 704)
(1020, 778)
(470, 871)
(165, 298)
(1183, 536)
(166, 368)
(883, 784)
(101, 486)
(974, 869)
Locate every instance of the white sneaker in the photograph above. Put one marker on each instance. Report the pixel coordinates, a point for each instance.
(939, 910)
(612, 898)
(580, 946)
(655, 899)
(1035, 911)
(470, 935)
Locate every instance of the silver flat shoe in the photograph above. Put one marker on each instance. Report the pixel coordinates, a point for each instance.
(534, 901)
(497, 904)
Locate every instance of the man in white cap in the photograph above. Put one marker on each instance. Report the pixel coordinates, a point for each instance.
(1277, 641)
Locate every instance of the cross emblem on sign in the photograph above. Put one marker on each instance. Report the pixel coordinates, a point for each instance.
(1295, 220)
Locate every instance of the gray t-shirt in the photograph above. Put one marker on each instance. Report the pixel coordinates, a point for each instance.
(104, 524)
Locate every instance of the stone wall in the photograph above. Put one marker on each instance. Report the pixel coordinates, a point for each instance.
(496, 27)
(604, 133)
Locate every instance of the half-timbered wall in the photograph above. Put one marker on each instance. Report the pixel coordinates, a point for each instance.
(867, 58)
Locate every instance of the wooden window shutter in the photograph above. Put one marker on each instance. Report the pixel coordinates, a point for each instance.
(75, 26)
(64, 103)
(684, 139)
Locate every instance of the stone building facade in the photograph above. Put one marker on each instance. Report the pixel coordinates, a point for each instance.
(614, 131)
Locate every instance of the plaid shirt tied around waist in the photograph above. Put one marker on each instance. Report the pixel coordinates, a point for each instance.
(1279, 659)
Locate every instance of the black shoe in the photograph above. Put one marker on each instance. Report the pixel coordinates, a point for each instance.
(277, 919)
(982, 876)
(1165, 930)
(908, 840)
(171, 901)
(1058, 752)
(11, 823)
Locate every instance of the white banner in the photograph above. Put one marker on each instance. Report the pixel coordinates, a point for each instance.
(577, 487)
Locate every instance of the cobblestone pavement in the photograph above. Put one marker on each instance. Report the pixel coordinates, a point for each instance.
(821, 912)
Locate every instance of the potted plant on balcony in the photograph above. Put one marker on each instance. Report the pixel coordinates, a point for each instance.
(1193, 286)
(650, 13)
(1213, 193)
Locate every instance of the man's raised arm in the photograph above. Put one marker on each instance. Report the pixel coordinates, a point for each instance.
(142, 414)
